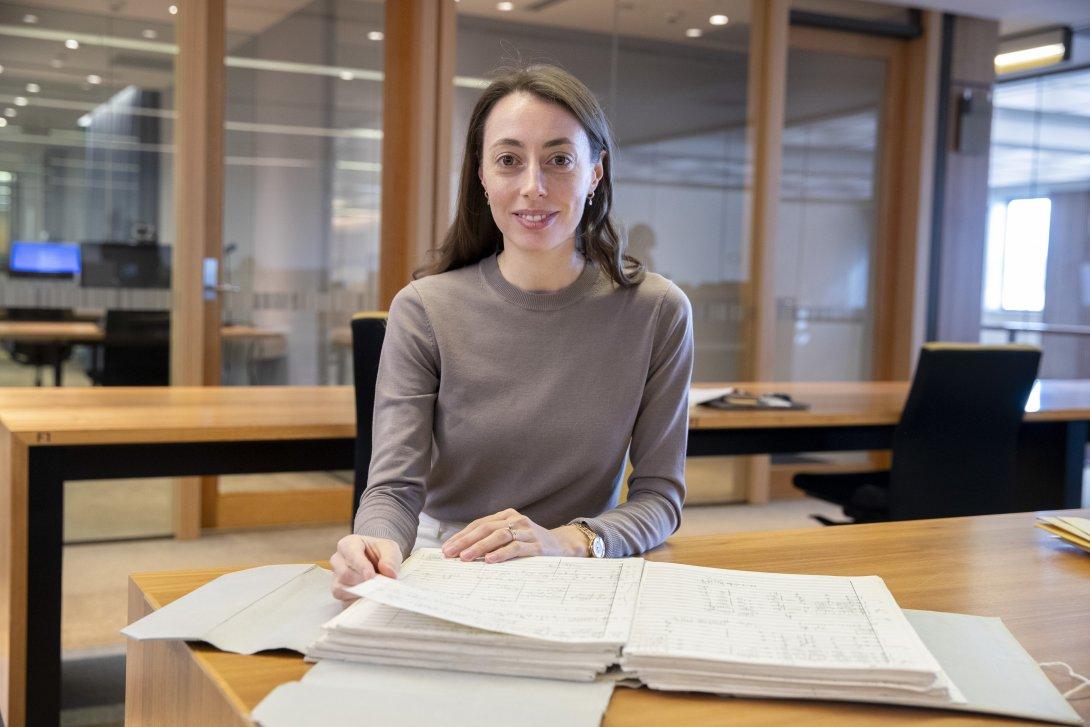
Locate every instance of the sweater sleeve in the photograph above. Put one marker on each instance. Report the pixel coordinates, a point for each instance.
(401, 439)
(656, 487)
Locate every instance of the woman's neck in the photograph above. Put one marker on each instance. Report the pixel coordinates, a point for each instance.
(541, 271)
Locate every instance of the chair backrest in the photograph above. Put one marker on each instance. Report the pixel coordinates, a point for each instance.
(368, 333)
(135, 349)
(954, 450)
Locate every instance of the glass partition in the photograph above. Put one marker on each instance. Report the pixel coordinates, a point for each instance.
(302, 193)
(1037, 264)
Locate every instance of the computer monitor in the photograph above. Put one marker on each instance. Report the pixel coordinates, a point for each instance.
(125, 265)
(44, 259)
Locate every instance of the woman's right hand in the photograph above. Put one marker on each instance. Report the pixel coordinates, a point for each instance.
(353, 565)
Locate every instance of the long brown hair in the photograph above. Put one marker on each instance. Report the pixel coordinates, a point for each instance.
(474, 235)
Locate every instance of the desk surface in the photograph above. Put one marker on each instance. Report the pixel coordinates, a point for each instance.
(997, 565)
(92, 332)
(196, 414)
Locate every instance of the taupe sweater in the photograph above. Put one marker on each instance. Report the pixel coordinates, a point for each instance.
(491, 397)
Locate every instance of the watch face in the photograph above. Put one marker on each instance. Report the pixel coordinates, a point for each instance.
(598, 547)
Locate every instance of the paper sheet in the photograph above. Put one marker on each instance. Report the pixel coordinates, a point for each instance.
(339, 693)
(270, 607)
(563, 599)
(774, 619)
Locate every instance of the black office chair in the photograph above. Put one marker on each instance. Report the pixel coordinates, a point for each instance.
(39, 355)
(954, 448)
(368, 333)
(135, 350)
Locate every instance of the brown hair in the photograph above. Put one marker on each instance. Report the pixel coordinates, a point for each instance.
(474, 235)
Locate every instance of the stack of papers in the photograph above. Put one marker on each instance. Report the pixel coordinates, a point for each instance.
(772, 635)
(670, 626)
(1074, 530)
(559, 618)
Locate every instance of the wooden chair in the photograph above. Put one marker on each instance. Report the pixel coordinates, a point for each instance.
(368, 333)
(954, 448)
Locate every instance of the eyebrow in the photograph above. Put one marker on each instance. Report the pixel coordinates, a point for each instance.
(550, 143)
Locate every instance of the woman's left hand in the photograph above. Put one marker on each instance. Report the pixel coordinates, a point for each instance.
(510, 534)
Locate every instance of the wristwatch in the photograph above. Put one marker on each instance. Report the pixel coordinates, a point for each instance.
(596, 547)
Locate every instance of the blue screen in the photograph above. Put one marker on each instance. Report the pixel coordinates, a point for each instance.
(44, 258)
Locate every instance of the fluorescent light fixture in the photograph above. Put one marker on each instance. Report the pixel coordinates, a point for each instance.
(346, 75)
(719, 20)
(694, 33)
(149, 33)
(33, 88)
(376, 35)
(505, 7)
(71, 44)
(1033, 49)
(94, 79)
(30, 19)
(20, 101)
(173, 10)
(84, 121)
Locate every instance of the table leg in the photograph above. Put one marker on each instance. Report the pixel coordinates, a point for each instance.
(1050, 462)
(45, 536)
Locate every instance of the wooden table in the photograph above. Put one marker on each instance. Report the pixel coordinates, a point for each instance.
(997, 565)
(48, 436)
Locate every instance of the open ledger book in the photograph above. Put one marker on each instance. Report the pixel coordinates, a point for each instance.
(673, 627)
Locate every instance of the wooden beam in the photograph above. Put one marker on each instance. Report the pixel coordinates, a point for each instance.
(198, 209)
(767, 85)
(417, 100)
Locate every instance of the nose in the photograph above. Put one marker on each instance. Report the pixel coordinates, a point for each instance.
(533, 183)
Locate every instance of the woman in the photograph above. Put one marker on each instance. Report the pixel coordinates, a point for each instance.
(527, 359)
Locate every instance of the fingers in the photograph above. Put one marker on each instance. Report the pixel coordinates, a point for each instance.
(498, 535)
(515, 549)
(481, 528)
(353, 555)
(389, 553)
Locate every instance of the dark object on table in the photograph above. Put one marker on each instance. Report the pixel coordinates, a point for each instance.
(135, 350)
(739, 400)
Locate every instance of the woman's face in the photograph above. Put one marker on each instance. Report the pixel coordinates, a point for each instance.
(537, 170)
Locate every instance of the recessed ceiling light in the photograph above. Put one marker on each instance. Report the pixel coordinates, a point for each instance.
(346, 76)
(3, 122)
(84, 120)
(94, 79)
(694, 33)
(376, 35)
(1, 69)
(30, 19)
(10, 112)
(173, 10)
(505, 7)
(71, 44)
(719, 20)
(20, 101)
(33, 88)
(149, 33)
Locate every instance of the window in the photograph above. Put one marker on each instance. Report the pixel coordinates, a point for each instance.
(1017, 254)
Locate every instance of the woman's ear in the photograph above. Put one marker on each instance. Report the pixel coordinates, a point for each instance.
(599, 170)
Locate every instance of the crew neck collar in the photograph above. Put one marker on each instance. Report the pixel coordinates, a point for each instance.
(539, 300)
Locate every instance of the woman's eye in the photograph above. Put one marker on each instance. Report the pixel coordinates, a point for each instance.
(563, 160)
(507, 160)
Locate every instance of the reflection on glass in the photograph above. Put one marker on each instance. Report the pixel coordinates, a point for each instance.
(86, 129)
(826, 225)
(1038, 267)
(677, 102)
(303, 168)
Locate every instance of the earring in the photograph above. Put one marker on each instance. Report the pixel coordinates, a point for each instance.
(486, 194)
(590, 199)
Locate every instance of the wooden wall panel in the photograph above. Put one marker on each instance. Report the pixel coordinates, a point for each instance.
(417, 100)
(199, 90)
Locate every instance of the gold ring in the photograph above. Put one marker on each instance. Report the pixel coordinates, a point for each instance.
(512, 531)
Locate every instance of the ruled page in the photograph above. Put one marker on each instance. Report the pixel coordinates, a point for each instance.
(767, 618)
(560, 599)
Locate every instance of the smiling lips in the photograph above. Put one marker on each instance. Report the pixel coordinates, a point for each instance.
(535, 219)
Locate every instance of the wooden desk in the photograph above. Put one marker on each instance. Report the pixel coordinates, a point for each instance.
(997, 565)
(48, 436)
(51, 331)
